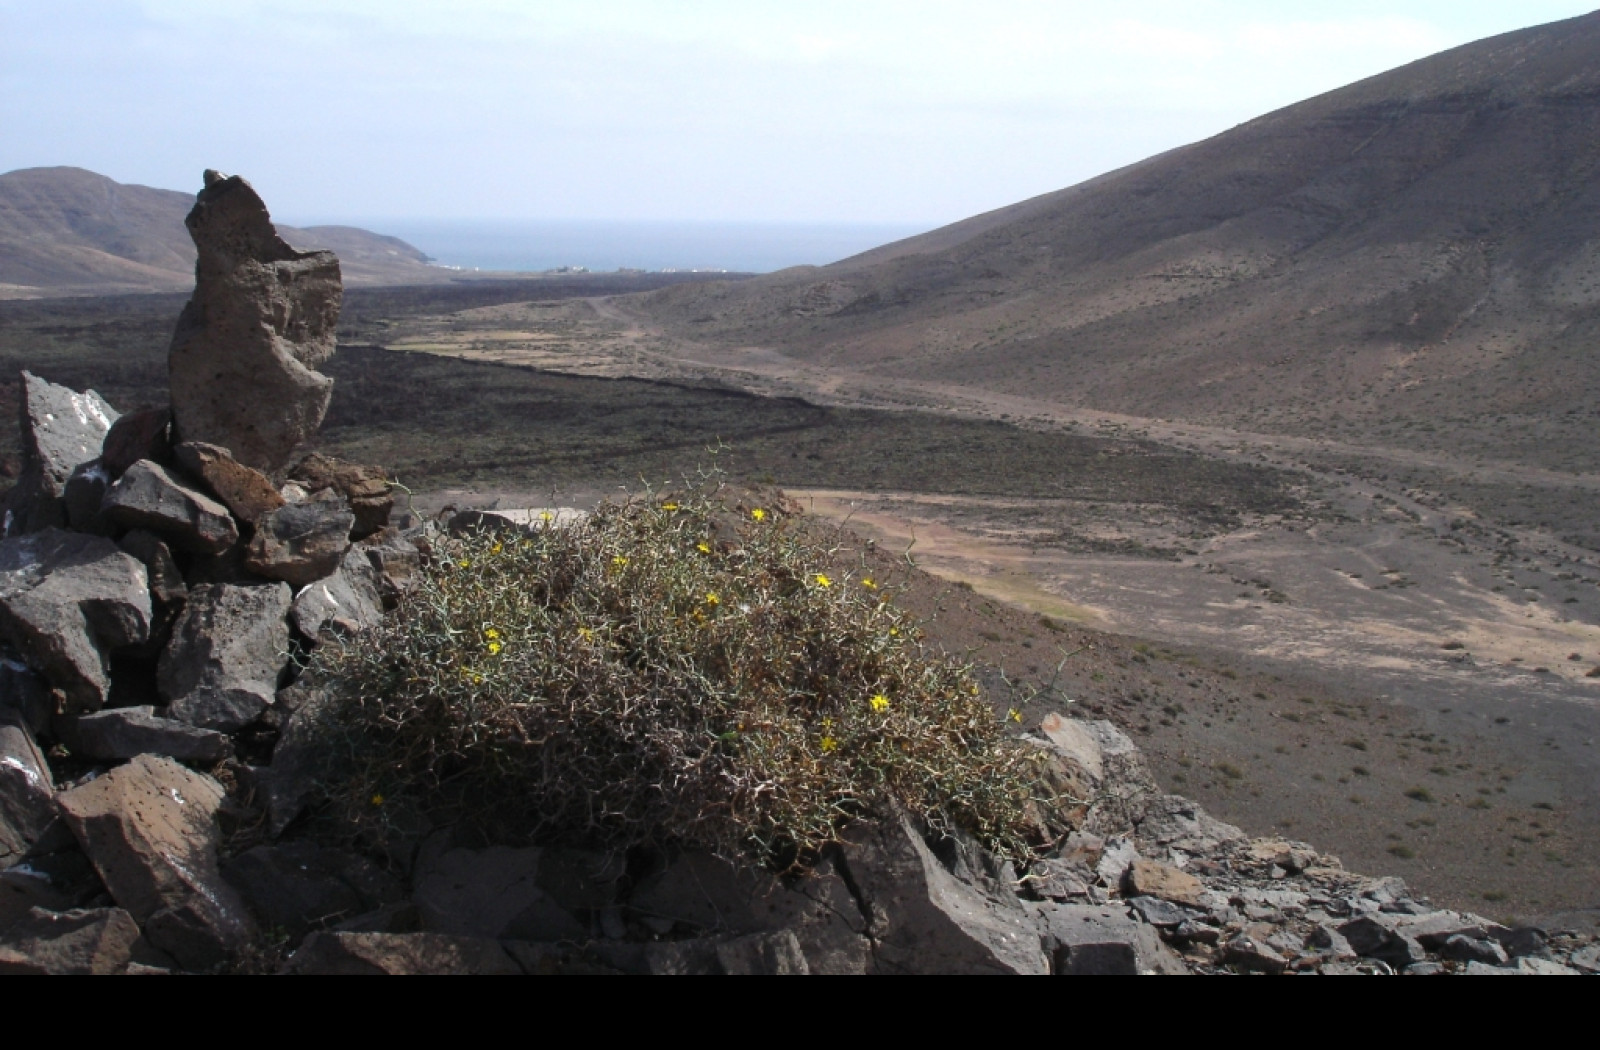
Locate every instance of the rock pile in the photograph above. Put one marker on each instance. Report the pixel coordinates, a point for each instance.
(158, 751)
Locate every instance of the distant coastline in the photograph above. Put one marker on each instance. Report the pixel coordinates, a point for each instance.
(609, 246)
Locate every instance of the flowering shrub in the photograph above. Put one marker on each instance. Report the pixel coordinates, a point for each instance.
(685, 669)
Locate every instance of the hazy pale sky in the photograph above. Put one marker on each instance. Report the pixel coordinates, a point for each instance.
(861, 111)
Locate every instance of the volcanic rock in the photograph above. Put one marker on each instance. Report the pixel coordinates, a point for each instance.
(297, 887)
(247, 492)
(301, 542)
(136, 436)
(1149, 878)
(493, 892)
(343, 603)
(365, 489)
(82, 941)
(61, 429)
(1088, 940)
(221, 668)
(397, 560)
(149, 496)
(67, 600)
(150, 829)
(166, 580)
(263, 317)
(25, 694)
(126, 732)
(26, 792)
(399, 953)
(924, 920)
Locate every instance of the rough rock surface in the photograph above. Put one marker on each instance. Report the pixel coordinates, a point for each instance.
(399, 953)
(67, 600)
(166, 579)
(493, 892)
(81, 941)
(25, 694)
(26, 792)
(150, 829)
(127, 732)
(397, 560)
(61, 429)
(302, 542)
(136, 436)
(299, 887)
(924, 919)
(246, 491)
(149, 496)
(365, 489)
(348, 601)
(228, 648)
(263, 317)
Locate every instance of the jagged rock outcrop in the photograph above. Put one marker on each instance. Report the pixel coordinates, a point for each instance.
(149, 496)
(80, 941)
(150, 829)
(301, 542)
(128, 732)
(61, 430)
(66, 601)
(229, 647)
(365, 489)
(27, 792)
(247, 492)
(263, 317)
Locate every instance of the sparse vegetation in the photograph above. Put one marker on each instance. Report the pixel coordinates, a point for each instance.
(687, 669)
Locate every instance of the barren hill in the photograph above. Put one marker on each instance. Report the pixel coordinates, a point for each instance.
(1413, 257)
(67, 231)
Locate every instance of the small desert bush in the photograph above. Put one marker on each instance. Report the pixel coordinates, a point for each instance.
(687, 668)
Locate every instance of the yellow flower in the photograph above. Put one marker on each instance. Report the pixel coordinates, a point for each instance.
(880, 702)
(829, 743)
(618, 561)
(703, 548)
(669, 506)
(823, 581)
(868, 584)
(377, 800)
(464, 563)
(893, 631)
(491, 633)
(1014, 715)
(585, 633)
(712, 599)
(758, 514)
(496, 549)
(494, 648)
(545, 515)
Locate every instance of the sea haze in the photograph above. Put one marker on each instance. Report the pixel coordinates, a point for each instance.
(546, 245)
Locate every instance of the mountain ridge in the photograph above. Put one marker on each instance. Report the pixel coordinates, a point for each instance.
(1420, 247)
(70, 231)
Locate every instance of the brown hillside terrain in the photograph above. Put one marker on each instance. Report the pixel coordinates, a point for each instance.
(1413, 259)
(67, 231)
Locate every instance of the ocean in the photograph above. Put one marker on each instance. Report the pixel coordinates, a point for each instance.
(600, 246)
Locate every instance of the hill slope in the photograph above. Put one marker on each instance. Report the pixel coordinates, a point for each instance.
(67, 231)
(1417, 250)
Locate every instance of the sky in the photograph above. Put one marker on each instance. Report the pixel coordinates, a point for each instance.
(801, 111)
